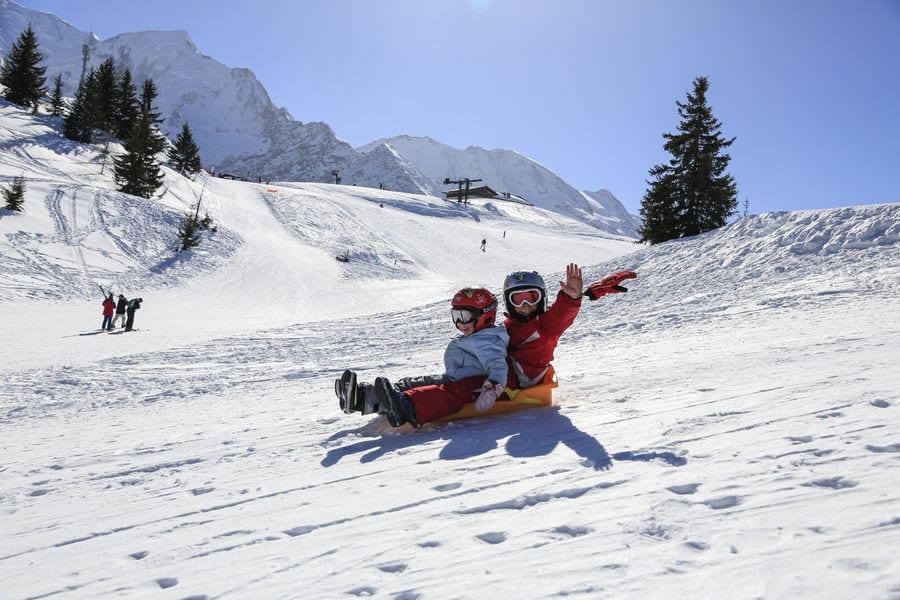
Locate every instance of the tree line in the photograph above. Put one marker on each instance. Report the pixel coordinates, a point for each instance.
(106, 104)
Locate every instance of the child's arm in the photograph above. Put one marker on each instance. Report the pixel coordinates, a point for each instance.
(491, 352)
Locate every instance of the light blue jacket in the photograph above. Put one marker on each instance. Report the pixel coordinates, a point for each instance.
(482, 353)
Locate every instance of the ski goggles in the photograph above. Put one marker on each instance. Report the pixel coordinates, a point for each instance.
(529, 296)
(462, 315)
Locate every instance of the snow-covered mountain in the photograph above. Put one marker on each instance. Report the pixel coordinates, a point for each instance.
(239, 130)
(509, 171)
(722, 430)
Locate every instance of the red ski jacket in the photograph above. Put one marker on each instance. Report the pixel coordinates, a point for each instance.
(109, 307)
(532, 342)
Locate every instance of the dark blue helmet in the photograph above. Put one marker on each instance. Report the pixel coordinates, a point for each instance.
(523, 281)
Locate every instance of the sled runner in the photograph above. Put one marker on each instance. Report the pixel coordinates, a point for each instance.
(538, 396)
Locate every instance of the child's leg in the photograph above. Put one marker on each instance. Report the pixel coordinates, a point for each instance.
(433, 402)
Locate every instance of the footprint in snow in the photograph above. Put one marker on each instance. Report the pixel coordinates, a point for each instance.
(393, 567)
(834, 483)
(492, 537)
(167, 582)
(572, 531)
(446, 487)
(700, 546)
(830, 415)
(139, 555)
(685, 489)
(723, 502)
(880, 403)
(800, 439)
(890, 448)
(363, 591)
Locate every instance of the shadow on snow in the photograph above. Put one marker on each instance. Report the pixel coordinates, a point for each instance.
(528, 434)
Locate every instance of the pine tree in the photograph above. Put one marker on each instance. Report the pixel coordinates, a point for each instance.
(15, 194)
(188, 231)
(105, 97)
(56, 97)
(184, 154)
(657, 209)
(157, 141)
(692, 193)
(23, 78)
(137, 172)
(127, 110)
(81, 120)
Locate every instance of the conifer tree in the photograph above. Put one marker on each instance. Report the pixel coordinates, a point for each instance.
(105, 97)
(184, 155)
(157, 141)
(137, 172)
(188, 231)
(127, 110)
(23, 77)
(15, 194)
(692, 193)
(81, 120)
(56, 97)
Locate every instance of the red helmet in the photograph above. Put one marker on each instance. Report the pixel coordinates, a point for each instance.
(474, 303)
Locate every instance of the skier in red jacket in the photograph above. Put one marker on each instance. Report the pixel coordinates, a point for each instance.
(109, 307)
(534, 330)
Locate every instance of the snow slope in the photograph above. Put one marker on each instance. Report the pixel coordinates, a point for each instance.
(726, 429)
(240, 131)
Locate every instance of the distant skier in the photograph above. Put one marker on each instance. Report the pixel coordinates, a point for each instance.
(121, 305)
(133, 305)
(483, 244)
(109, 307)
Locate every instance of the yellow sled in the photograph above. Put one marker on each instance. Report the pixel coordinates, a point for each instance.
(540, 395)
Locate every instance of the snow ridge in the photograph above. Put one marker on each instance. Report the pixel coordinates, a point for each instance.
(240, 131)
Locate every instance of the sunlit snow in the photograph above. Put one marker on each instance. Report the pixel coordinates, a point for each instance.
(726, 429)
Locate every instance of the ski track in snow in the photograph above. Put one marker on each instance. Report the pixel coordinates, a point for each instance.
(724, 429)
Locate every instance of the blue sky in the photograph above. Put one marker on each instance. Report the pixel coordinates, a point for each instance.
(810, 88)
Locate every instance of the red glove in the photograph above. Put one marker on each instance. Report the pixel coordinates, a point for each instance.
(609, 285)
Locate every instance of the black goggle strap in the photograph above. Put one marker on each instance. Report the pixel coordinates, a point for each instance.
(474, 312)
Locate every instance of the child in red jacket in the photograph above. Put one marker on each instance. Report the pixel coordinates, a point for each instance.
(534, 330)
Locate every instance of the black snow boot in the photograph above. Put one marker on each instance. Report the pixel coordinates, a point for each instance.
(395, 405)
(367, 399)
(345, 389)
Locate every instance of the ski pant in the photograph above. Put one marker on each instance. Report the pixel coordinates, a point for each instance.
(116, 319)
(129, 324)
(107, 322)
(408, 383)
(433, 402)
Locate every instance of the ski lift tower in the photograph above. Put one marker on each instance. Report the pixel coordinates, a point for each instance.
(85, 56)
(460, 182)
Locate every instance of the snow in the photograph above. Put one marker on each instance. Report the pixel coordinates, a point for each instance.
(726, 429)
(240, 131)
